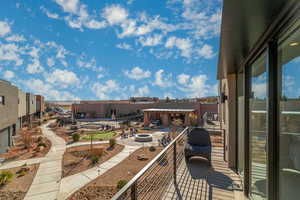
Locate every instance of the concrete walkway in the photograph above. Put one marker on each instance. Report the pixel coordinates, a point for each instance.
(74, 182)
(46, 183)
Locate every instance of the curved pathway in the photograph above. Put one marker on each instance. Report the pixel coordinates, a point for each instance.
(72, 183)
(46, 182)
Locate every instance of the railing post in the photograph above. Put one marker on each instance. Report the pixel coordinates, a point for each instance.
(174, 163)
(133, 192)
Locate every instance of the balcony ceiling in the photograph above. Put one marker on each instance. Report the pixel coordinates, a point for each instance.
(243, 23)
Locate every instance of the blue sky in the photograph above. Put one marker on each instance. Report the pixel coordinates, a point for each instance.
(92, 49)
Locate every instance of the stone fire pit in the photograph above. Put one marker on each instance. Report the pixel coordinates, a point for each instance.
(143, 138)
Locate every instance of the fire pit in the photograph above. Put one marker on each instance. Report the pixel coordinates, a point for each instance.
(143, 138)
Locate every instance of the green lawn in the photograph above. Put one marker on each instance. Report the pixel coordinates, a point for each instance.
(100, 135)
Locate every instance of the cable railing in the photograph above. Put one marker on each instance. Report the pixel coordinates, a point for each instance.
(157, 175)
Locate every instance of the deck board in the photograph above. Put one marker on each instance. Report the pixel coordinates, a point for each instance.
(196, 180)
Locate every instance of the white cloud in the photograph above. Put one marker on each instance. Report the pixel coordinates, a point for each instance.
(71, 6)
(49, 14)
(183, 78)
(184, 45)
(4, 28)
(260, 90)
(137, 73)
(91, 64)
(103, 90)
(124, 46)
(63, 78)
(35, 67)
(11, 52)
(161, 80)
(142, 91)
(94, 24)
(39, 87)
(50, 61)
(8, 74)
(151, 41)
(115, 14)
(206, 51)
(196, 86)
(15, 38)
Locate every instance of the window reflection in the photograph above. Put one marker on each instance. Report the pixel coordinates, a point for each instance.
(289, 116)
(258, 128)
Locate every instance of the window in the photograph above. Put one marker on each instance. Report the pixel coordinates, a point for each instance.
(289, 116)
(2, 100)
(258, 130)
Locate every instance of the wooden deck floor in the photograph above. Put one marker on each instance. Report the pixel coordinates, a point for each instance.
(197, 181)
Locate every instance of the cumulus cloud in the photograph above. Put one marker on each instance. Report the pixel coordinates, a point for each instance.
(123, 46)
(151, 41)
(63, 78)
(206, 51)
(8, 74)
(40, 87)
(4, 28)
(137, 73)
(11, 52)
(15, 38)
(183, 44)
(103, 90)
(196, 86)
(142, 91)
(162, 80)
(49, 14)
(91, 64)
(50, 61)
(34, 67)
(115, 14)
(78, 15)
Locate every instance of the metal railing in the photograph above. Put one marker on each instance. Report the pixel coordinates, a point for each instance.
(157, 175)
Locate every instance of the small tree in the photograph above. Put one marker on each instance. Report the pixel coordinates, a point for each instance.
(121, 184)
(27, 139)
(75, 137)
(112, 142)
(5, 177)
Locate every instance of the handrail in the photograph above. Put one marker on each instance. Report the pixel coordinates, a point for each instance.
(144, 170)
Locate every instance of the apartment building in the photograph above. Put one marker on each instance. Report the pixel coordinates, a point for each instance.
(8, 114)
(40, 106)
(30, 107)
(259, 88)
(21, 109)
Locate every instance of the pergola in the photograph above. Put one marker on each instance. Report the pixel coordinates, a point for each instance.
(166, 114)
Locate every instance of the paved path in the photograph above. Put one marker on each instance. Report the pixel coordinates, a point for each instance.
(46, 183)
(74, 182)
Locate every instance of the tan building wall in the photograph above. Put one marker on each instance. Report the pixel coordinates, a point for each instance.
(8, 111)
(228, 118)
(31, 103)
(22, 104)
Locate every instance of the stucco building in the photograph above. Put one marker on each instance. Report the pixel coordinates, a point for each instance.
(8, 113)
(22, 105)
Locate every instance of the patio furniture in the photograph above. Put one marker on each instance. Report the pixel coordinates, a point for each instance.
(198, 144)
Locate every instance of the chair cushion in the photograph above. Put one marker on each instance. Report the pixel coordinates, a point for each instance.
(198, 137)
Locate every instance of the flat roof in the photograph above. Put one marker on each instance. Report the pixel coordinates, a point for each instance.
(167, 110)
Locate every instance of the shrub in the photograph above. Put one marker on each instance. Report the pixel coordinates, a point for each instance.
(75, 137)
(121, 184)
(40, 139)
(5, 177)
(95, 159)
(23, 171)
(112, 142)
(42, 144)
(152, 148)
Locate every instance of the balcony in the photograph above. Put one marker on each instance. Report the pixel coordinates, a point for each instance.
(169, 177)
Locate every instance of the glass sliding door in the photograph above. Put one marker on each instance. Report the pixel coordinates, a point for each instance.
(289, 116)
(241, 124)
(258, 112)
